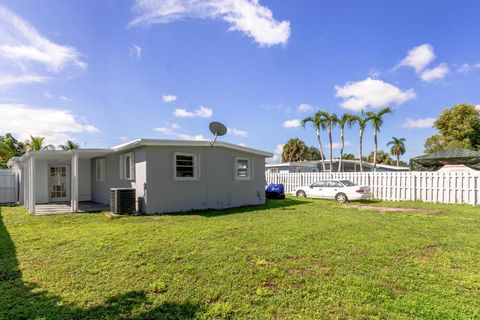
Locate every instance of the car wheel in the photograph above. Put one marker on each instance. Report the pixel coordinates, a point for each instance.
(341, 197)
(301, 194)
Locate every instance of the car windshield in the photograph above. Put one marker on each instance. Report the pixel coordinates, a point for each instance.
(347, 183)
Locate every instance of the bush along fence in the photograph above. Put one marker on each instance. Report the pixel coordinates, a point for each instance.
(439, 187)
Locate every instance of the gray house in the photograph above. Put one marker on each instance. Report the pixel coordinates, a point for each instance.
(167, 175)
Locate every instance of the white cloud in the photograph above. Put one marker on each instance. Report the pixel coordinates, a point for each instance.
(7, 81)
(371, 93)
(246, 16)
(305, 107)
(135, 52)
(418, 123)
(277, 154)
(197, 137)
(169, 98)
(202, 112)
(48, 95)
(477, 106)
(168, 130)
(124, 139)
(21, 43)
(293, 123)
(55, 125)
(338, 145)
(466, 67)
(237, 132)
(172, 130)
(418, 57)
(437, 73)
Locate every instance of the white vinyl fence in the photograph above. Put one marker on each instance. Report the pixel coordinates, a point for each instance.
(441, 187)
(8, 186)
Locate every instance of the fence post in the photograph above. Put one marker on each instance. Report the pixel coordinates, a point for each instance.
(475, 191)
(414, 187)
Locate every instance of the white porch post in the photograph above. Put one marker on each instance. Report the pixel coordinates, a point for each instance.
(31, 185)
(74, 189)
(26, 180)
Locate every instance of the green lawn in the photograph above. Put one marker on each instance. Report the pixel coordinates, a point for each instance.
(291, 259)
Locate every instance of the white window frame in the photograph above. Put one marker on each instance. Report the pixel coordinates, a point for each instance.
(249, 169)
(100, 167)
(196, 166)
(123, 166)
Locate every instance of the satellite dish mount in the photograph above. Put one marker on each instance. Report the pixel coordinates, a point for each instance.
(218, 130)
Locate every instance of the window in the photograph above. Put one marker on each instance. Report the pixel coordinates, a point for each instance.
(100, 169)
(319, 184)
(127, 166)
(242, 169)
(186, 166)
(348, 183)
(298, 169)
(273, 170)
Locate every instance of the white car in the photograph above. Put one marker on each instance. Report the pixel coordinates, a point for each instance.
(340, 190)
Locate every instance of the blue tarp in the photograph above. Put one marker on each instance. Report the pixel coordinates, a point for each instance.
(275, 191)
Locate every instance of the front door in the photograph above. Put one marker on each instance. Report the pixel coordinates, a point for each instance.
(58, 184)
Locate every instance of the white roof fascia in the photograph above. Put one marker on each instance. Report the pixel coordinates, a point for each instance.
(188, 143)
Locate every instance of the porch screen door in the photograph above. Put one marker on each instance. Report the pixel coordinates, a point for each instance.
(57, 184)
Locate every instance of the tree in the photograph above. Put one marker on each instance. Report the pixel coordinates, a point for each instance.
(381, 157)
(377, 122)
(70, 145)
(346, 119)
(318, 123)
(348, 156)
(294, 150)
(458, 126)
(10, 147)
(38, 144)
(435, 143)
(362, 121)
(398, 148)
(330, 120)
(312, 154)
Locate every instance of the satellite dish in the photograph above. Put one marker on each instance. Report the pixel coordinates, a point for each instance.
(218, 129)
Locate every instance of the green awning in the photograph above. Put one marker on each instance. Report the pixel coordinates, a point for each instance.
(436, 160)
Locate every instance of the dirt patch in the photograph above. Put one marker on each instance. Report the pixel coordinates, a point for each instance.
(295, 272)
(427, 253)
(392, 209)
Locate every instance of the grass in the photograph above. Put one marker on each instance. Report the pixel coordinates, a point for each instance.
(301, 259)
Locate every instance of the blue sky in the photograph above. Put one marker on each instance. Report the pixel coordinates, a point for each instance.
(103, 72)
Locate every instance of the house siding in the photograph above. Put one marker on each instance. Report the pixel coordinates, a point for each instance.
(216, 187)
(101, 189)
(158, 192)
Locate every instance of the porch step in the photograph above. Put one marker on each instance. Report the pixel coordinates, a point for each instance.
(60, 208)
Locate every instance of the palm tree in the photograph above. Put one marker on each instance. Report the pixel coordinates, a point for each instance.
(330, 120)
(382, 157)
(38, 144)
(362, 121)
(398, 147)
(377, 123)
(294, 150)
(319, 124)
(69, 146)
(345, 120)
